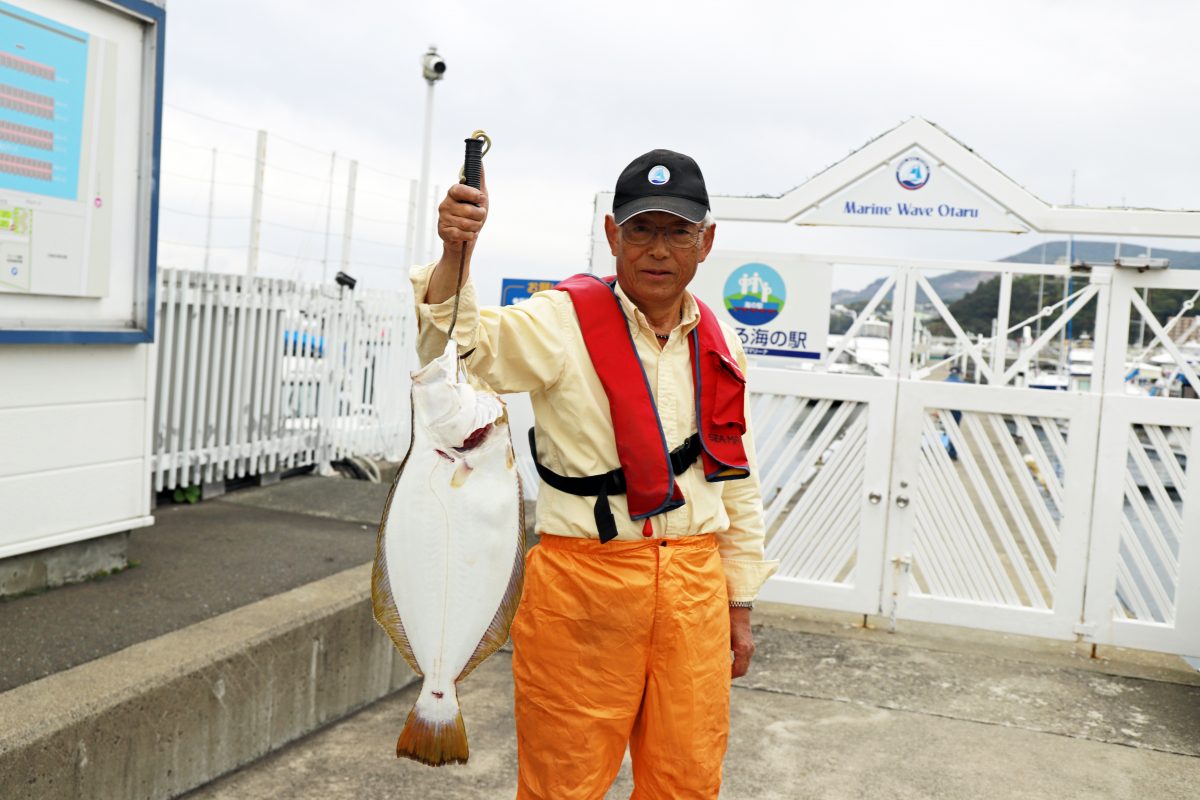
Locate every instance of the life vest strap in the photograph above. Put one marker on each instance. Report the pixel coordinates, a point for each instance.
(609, 483)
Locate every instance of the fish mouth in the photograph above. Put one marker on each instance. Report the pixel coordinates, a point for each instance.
(442, 369)
(475, 439)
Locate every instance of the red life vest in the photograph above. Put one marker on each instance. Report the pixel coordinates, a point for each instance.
(648, 466)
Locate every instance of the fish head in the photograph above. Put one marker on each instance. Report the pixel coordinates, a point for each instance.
(456, 414)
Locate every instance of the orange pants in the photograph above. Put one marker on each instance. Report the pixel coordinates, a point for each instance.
(615, 644)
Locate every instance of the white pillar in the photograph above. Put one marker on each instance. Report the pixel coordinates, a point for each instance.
(410, 222)
(328, 218)
(260, 164)
(212, 186)
(423, 190)
(1000, 339)
(433, 237)
(348, 224)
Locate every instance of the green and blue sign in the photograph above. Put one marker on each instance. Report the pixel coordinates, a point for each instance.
(754, 294)
(778, 305)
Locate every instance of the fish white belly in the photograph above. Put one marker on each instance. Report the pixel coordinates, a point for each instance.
(449, 563)
(450, 551)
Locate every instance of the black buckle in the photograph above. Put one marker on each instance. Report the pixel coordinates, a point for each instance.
(609, 483)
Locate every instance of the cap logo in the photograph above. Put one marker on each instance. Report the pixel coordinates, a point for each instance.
(659, 175)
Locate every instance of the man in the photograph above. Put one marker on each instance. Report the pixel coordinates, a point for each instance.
(954, 376)
(638, 597)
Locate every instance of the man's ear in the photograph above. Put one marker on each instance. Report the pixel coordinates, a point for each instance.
(610, 231)
(706, 245)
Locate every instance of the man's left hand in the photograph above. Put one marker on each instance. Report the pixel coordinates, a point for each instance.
(741, 640)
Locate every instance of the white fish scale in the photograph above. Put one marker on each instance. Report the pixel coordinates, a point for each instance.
(450, 552)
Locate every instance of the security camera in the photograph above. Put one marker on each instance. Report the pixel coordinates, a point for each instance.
(342, 279)
(432, 65)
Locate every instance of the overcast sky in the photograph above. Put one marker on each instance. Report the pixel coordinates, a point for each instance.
(762, 94)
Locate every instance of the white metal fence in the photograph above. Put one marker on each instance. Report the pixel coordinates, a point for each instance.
(995, 505)
(256, 375)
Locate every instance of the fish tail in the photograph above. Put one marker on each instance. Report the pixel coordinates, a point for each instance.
(434, 733)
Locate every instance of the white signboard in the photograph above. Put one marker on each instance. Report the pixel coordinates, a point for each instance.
(80, 114)
(778, 304)
(57, 98)
(913, 190)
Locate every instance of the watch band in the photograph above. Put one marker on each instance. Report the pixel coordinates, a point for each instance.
(741, 604)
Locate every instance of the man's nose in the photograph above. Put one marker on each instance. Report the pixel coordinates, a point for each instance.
(658, 245)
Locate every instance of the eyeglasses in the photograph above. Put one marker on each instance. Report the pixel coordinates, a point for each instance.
(681, 237)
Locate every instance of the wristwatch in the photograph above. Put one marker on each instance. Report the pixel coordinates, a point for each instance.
(741, 604)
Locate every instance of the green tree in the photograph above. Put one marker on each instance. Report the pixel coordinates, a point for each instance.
(976, 310)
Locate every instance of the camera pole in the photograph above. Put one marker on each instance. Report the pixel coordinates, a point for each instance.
(433, 68)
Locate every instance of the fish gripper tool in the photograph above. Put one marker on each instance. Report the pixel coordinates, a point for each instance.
(471, 174)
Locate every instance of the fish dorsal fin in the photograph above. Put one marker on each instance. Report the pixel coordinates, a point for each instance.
(384, 607)
(383, 604)
(497, 630)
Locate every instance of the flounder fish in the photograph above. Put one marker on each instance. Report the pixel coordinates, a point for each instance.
(449, 558)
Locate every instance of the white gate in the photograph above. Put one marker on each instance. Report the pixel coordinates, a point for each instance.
(819, 442)
(990, 504)
(1144, 581)
(1143, 586)
(989, 526)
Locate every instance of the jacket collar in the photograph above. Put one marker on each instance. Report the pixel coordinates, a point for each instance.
(637, 320)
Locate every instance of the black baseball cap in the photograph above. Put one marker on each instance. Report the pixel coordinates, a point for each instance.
(661, 180)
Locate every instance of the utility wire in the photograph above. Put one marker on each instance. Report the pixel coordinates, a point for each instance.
(161, 240)
(244, 217)
(309, 259)
(274, 137)
(206, 180)
(189, 112)
(378, 171)
(207, 147)
(202, 216)
(360, 218)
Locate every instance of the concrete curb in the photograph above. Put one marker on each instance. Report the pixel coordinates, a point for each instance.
(165, 716)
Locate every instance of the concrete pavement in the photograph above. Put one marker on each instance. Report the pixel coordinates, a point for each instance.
(831, 710)
(195, 562)
(242, 628)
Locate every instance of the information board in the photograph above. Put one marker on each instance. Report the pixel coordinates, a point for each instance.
(778, 304)
(80, 114)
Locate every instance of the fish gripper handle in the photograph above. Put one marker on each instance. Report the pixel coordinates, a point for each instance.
(473, 163)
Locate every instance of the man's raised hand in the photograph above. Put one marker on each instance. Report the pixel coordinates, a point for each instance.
(460, 219)
(461, 216)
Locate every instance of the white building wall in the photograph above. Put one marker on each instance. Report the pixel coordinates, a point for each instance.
(74, 443)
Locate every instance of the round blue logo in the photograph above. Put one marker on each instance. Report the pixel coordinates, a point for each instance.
(913, 173)
(754, 293)
(659, 175)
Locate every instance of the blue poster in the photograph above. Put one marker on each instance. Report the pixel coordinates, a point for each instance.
(514, 290)
(43, 78)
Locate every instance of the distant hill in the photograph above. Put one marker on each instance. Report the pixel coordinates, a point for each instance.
(1104, 251)
(975, 310)
(954, 285)
(950, 287)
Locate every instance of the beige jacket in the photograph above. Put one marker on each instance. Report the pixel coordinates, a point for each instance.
(536, 347)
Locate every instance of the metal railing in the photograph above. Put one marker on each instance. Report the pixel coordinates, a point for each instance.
(258, 375)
